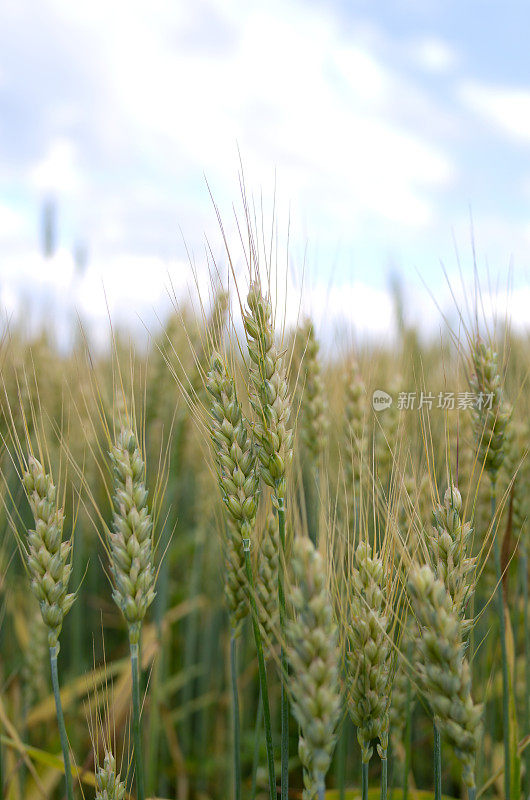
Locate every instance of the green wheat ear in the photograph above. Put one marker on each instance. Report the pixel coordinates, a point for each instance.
(238, 478)
(109, 785)
(355, 439)
(235, 462)
(270, 392)
(131, 541)
(449, 543)
(267, 583)
(49, 564)
(313, 652)
(444, 672)
(370, 657)
(131, 554)
(314, 421)
(490, 422)
(48, 557)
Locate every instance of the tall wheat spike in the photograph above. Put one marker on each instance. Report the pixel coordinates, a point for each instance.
(312, 646)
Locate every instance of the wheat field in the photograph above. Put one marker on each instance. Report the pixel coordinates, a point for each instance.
(230, 567)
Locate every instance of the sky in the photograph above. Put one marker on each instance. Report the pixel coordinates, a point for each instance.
(387, 138)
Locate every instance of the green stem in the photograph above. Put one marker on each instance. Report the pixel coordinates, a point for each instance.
(77, 639)
(235, 712)
(60, 722)
(341, 758)
(526, 707)
(502, 629)
(255, 758)
(190, 644)
(137, 730)
(384, 775)
(437, 753)
(364, 780)
(161, 605)
(262, 677)
(209, 657)
(1, 764)
(284, 711)
(153, 729)
(408, 742)
(321, 787)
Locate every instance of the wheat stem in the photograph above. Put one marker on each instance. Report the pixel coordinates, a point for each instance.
(526, 708)
(1, 764)
(235, 712)
(408, 741)
(255, 757)
(502, 630)
(60, 722)
(341, 759)
(285, 666)
(384, 775)
(437, 755)
(137, 734)
(364, 780)
(191, 634)
(262, 677)
(321, 790)
(161, 605)
(154, 726)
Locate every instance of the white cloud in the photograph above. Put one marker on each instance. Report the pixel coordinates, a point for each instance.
(364, 309)
(12, 222)
(507, 108)
(434, 55)
(57, 171)
(286, 83)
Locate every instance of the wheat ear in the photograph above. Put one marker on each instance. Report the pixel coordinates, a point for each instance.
(133, 571)
(49, 564)
(369, 658)
(355, 438)
(314, 421)
(449, 543)
(443, 671)
(238, 479)
(272, 404)
(109, 785)
(312, 646)
(267, 585)
(491, 420)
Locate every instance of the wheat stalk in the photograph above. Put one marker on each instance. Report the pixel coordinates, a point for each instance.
(238, 479)
(132, 564)
(49, 565)
(491, 420)
(272, 404)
